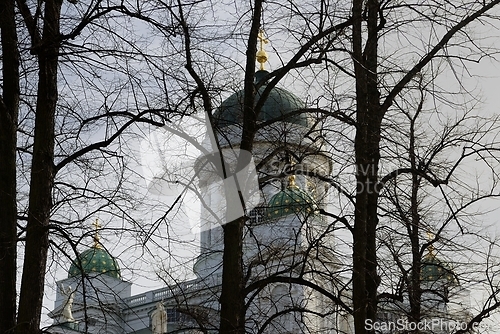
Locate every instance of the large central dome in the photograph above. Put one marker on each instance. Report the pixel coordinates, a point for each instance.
(279, 103)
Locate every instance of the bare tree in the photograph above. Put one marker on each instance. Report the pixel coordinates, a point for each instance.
(425, 208)
(46, 67)
(366, 52)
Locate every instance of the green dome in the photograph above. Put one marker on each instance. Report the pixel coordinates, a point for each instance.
(279, 102)
(291, 200)
(433, 269)
(95, 260)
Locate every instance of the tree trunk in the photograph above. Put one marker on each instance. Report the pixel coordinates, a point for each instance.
(232, 299)
(9, 105)
(42, 175)
(414, 290)
(374, 117)
(367, 152)
(232, 317)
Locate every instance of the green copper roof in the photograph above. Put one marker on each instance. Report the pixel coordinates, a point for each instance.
(434, 269)
(291, 200)
(279, 102)
(95, 260)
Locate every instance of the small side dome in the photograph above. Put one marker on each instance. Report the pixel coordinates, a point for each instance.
(95, 260)
(291, 200)
(433, 269)
(279, 103)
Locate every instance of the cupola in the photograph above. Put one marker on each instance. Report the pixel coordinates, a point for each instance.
(433, 269)
(291, 200)
(96, 260)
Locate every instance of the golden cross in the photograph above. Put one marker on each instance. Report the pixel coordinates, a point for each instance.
(96, 224)
(262, 39)
(97, 238)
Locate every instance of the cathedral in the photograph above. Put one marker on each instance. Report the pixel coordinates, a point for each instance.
(293, 274)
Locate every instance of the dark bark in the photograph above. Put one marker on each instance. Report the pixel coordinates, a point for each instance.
(9, 105)
(367, 152)
(42, 175)
(374, 117)
(232, 300)
(415, 291)
(359, 234)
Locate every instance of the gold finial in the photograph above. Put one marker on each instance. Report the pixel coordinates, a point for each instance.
(262, 54)
(430, 237)
(291, 182)
(97, 238)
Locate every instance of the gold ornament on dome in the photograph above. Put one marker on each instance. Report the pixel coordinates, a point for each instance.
(97, 237)
(262, 54)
